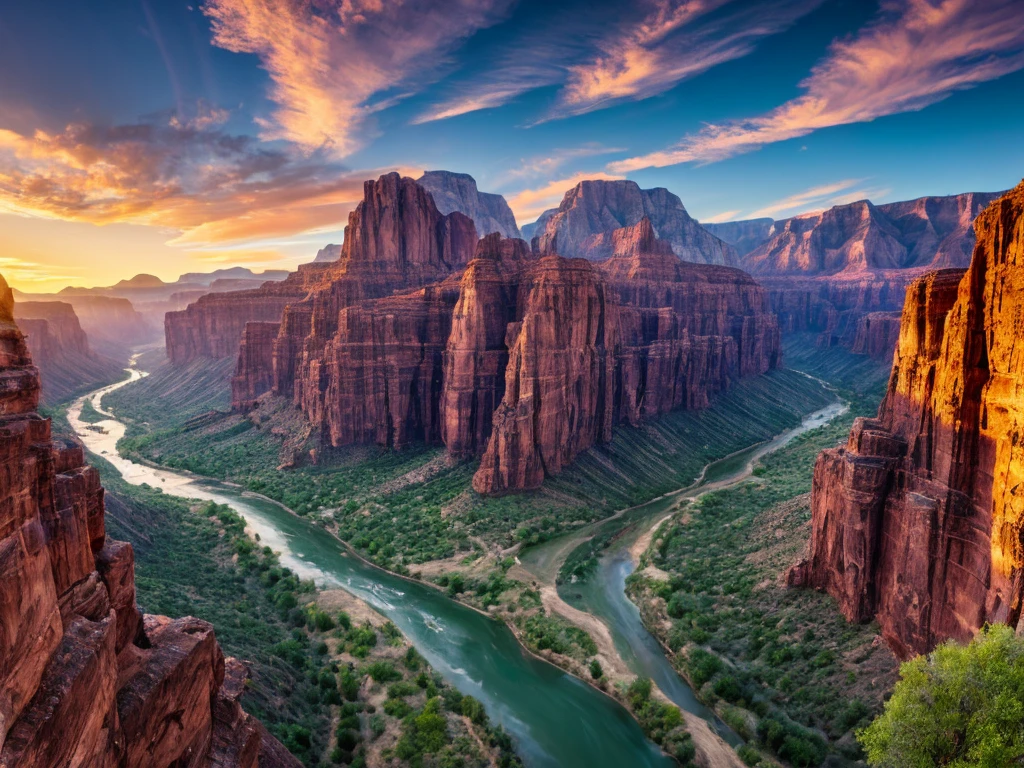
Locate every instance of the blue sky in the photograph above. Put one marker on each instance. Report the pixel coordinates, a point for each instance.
(167, 136)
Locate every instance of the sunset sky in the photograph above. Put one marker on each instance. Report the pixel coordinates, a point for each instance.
(167, 136)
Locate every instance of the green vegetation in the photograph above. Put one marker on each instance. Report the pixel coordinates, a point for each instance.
(401, 509)
(393, 702)
(663, 723)
(782, 666)
(89, 414)
(196, 560)
(960, 706)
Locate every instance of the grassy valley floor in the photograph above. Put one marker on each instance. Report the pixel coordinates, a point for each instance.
(413, 513)
(781, 666)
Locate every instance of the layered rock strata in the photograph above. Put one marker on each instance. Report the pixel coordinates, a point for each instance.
(85, 679)
(520, 359)
(590, 211)
(458, 192)
(919, 520)
(212, 326)
(825, 271)
(61, 350)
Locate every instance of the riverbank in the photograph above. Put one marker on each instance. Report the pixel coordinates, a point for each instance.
(477, 654)
(780, 666)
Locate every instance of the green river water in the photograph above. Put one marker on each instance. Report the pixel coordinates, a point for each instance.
(556, 719)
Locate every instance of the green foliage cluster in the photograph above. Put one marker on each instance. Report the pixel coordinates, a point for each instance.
(89, 414)
(786, 656)
(552, 633)
(369, 497)
(960, 706)
(662, 723)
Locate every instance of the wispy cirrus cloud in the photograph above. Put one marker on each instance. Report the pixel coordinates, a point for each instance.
(332, 63)
(718, 218)
(914, 54)
(673, 42)
(818, 198)
(183, 174)
(652, 47)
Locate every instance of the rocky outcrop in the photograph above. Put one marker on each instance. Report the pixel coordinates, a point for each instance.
(925, 233)
(876, 335)
(212, 326)
(918, 521)
(328, 253)
(744, 235)
(589, 212)
(61, 349)
(520, 359)
(112, 324)
(396, 240)
(567, 349)
(85, 679)
(458, 192)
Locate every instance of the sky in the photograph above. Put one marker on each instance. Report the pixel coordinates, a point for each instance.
(168, 136)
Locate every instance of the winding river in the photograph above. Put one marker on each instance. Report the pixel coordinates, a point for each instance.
(556, 719)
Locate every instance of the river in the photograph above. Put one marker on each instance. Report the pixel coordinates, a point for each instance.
(556, 719)
(603, 593)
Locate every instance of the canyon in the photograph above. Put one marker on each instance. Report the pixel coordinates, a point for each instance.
(420, 333)
(61, 349)
(826, 271)
(918, 521)
(85, 678)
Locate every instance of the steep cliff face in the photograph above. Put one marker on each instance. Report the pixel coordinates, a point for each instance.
(929, 232)
(876, 335)
(582, 223)
(212, 326)
(826, 271)
(458, 192)
(686, 330)
(396, 240)
(567, 349)
(919, 521)
(558, 398)
(520, 359)
(85, 679)
(61, 349)
(744, 235)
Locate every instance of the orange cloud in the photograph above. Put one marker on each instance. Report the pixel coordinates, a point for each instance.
(207, 185)
(327, 60)
(916, 53)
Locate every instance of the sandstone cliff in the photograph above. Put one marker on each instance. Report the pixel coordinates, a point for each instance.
(458, 192)
(547, 355)
(745, 235)
(918, 521)
(212, 326)
(85, 679)
(61, 350)
(590, 211)
(522, 360)
(825, 271)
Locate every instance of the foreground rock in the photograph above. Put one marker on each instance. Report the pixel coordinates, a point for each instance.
(918, 521)
(85, 679)
(582, 224)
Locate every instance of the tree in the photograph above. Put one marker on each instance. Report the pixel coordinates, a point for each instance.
(960, 706)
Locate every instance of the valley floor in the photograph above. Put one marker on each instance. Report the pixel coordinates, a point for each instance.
(413, 513)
